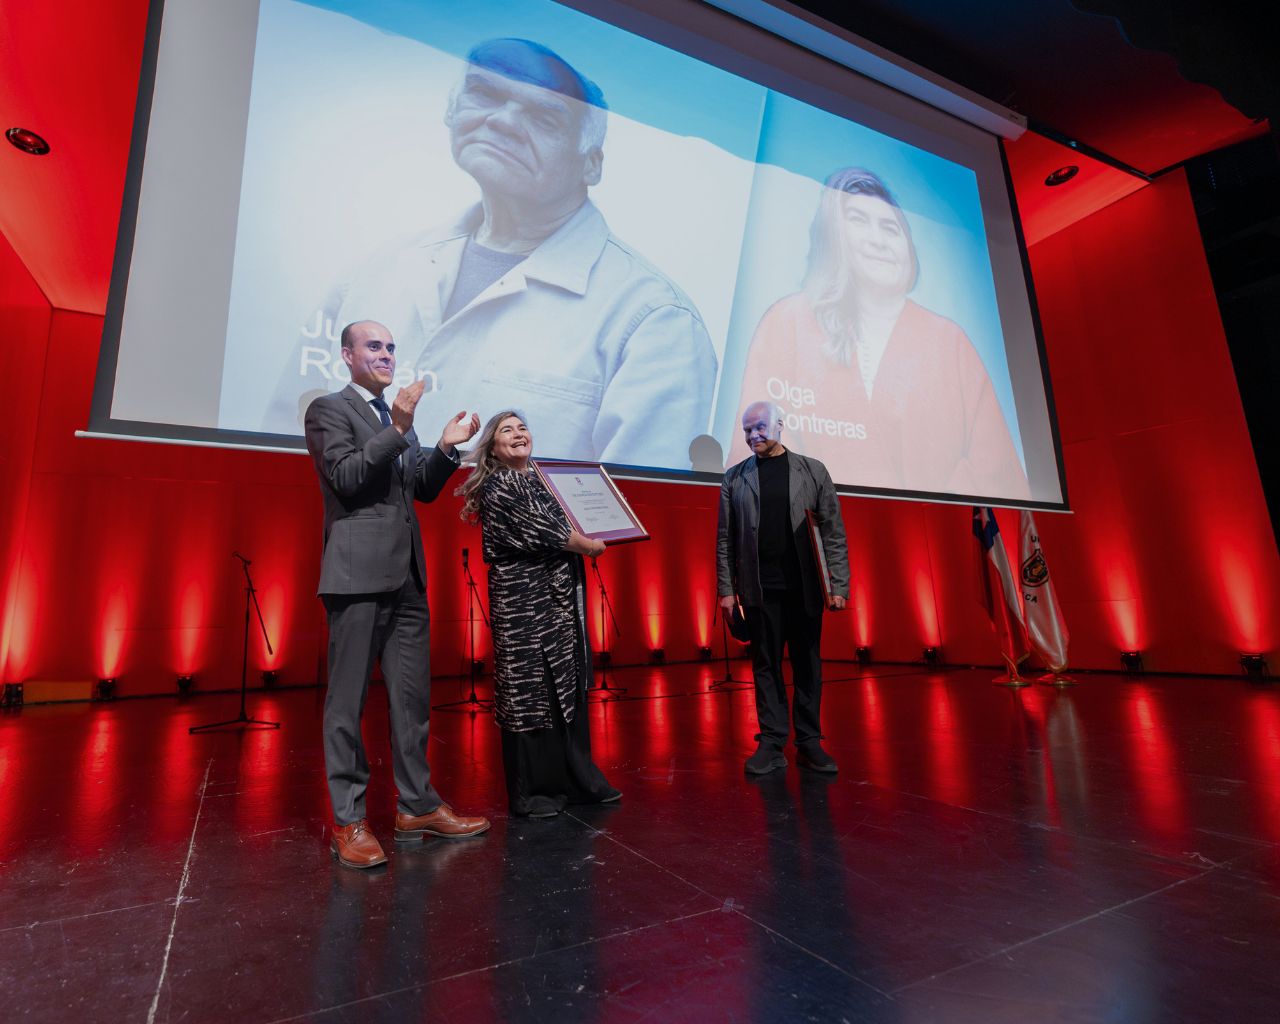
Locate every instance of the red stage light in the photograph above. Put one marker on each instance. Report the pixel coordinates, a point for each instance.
(702, 605)
(1160, 801)
(653, 613)
(111, 635)
(947, 761)
(272, 600)
(19, 627)
(1263, 717)
(1114, 564)
(927, 609)
(876, 742)
(861, 616)
(192, 608)
(94, 796)
(1241, 595)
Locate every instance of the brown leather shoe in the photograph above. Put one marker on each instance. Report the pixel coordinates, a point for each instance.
(441, 822)
(356, 847)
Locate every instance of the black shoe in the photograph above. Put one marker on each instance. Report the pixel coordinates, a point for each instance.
(811, 755)
(538, 806)
(766, 759)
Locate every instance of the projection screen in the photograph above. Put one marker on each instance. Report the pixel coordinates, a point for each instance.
(629, 225)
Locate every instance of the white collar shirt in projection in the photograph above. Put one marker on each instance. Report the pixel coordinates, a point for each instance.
(607, 358)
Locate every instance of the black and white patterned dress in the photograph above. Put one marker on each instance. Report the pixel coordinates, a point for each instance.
(535, 601)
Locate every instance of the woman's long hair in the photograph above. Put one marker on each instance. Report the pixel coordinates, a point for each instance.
(486, 464)
(828, 281)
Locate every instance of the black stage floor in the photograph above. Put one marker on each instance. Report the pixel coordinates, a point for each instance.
(1110, 853)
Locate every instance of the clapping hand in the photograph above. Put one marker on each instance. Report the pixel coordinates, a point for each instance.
(459, 430)
(406, 402)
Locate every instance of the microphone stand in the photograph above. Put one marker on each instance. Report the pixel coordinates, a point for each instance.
(723, 685)
(250, 599)
(472, 703)
(606, 617)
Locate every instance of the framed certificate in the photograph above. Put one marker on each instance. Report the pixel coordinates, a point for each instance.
(591, 500)
(819, 556)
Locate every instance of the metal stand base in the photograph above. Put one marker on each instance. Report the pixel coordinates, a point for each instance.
(242, 720)
(470, 703)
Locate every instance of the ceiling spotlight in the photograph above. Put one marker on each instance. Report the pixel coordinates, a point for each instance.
(1131, 662)
(1062, 175)
(27, 141)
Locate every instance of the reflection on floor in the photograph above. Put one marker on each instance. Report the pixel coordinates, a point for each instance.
(1110, 852)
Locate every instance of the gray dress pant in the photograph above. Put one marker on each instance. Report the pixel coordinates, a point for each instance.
(393, 628)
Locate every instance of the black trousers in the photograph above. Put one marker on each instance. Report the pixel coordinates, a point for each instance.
(781, 621)
(393, 628)
(548, 769)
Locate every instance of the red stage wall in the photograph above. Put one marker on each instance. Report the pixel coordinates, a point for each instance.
(117, 555)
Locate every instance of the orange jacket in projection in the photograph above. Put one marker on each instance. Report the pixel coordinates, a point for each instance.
(932, 424)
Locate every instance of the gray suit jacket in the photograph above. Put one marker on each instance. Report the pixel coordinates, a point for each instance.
(371, 533)
(737, 553)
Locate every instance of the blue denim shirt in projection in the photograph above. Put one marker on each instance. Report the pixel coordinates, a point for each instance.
(606, 357)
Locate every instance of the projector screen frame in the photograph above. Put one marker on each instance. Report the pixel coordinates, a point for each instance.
(104, 426)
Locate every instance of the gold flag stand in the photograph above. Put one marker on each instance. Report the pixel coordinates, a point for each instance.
(1011, 679)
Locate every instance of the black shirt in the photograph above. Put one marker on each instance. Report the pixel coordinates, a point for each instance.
(776, 542)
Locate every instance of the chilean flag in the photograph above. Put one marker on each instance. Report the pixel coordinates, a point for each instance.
(998, 591)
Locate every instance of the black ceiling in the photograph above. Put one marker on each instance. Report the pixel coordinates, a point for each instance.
(1075, 71)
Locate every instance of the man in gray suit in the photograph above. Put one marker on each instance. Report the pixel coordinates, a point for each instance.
(373, 581)
(765, 559)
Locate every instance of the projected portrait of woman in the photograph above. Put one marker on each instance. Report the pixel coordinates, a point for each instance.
(882, 390)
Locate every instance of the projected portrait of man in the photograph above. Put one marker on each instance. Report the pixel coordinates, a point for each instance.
(528, 298)
(882, 390)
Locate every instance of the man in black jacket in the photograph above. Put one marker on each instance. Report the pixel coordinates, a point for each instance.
(373, 581)
(764, 558)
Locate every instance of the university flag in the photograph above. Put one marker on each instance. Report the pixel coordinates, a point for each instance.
(998, 591)
(1045, 626)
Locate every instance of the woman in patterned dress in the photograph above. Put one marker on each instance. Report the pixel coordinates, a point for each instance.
(537, 610)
